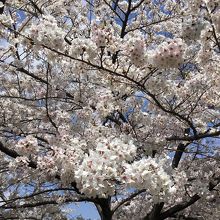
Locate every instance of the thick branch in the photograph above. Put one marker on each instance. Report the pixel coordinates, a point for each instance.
(155, 212)
(31, 205)
(177, 208)
(194, 137)
(125, 22)
(8, 151)
(37, 194)
(178, 154)
(36, 6)
(14, 154)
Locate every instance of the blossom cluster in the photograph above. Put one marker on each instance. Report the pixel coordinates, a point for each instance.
(27, 145)
(47, 33)
(6, 20)
(148, 174)
(169, 54)
(20, 162)
(195, 5)
(83, 48)
(101, 168)
(106, 102)
(137, 52)
(62, 160)
(192, 30)
(100, 35)
(211, 4)
(96, 172)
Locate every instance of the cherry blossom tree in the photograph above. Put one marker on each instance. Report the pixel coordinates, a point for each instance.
(111, 102)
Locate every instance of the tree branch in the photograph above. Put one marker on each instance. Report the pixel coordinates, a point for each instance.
(32, 164)
(178, 154)
(36, 6)
(177, 208)
(194, 137)
(155, 212)
(128, 199)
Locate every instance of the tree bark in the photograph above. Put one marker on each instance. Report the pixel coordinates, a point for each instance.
(179, 152)
(155, 212)
(104, 208)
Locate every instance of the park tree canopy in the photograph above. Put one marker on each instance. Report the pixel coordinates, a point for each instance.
(111, 102)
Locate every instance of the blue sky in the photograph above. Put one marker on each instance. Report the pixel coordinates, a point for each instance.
(85, 209)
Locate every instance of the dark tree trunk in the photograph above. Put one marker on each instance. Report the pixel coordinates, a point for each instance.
(105, 208)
